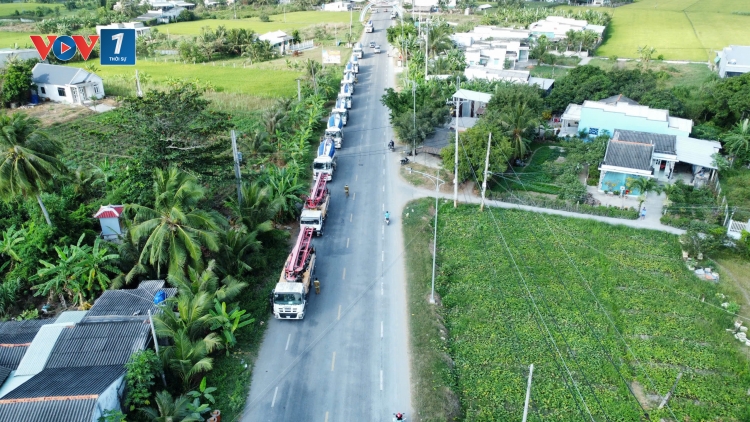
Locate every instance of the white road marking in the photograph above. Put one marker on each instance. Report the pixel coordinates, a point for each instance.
(333, 361)
(383, 188)
(326, 417)
(381, 289)
(347, 242)
(383, 207)
(354, 196)
(383, 171)
(383, 229)
(350, 217)
(287, 341)
(339, 316)
(343, 276)
(355, 177)
(381, 329)
(273, 401)
(381, 380)
(382, 258)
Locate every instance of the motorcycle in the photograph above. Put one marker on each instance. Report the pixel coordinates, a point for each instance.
(391, 147)
(404, 161)
(387, 221)
(399, 417)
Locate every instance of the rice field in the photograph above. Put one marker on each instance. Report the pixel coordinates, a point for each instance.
(14, 40)
(283, 22)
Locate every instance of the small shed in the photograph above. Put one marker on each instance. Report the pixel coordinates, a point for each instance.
(109, 218)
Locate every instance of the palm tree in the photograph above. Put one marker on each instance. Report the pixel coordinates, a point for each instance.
(174, 230)
(737, 141)
(517, 120)
(439, 39)
(257, 206)
(29, 160)
(643, 185)
(170, 410)
(287, 190)
(188, 358)
(206, 281)
(239, 247)
(646, 53)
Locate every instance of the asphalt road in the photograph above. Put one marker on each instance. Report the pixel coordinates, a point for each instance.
(348, 359)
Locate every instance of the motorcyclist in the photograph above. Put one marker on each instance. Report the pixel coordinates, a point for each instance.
(391, 144)
(387, 215)
(399, 416)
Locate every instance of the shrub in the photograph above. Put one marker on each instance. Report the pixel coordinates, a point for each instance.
(141, 372)
(264, 18)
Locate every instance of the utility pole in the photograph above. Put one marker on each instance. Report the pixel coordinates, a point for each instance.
(414, 115)
(299, 91)
(156, 344)
(236, 154)
(434, 236)
(528, 394)
(455, 171)
(138, 91)
(351, 14)
(426, 47)
(486, 170)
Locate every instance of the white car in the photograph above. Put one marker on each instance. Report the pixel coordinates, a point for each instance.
(372, 44)
(377, 49)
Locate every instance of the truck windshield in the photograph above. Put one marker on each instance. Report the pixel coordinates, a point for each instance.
(309, 221)
(287, 299)
(321, 166)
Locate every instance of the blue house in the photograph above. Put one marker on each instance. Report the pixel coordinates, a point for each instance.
(633, 154)
(621, 112)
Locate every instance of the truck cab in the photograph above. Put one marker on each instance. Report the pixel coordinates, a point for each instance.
(355, 63)
(341, 110)
(326, 161)
(346, 100)
(289, 300)
(357, 51)
(316, 216)
(289, 297)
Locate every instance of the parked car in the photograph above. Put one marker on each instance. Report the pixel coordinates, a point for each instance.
(372, 44)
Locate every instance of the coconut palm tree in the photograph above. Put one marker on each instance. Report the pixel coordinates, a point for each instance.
(174, 230)
(643, 185)
(737, 142)
(188, 358)
(29, 160)
(439, 39)
(517, 120)
(196, 282)
(287, 189)
(169, 409)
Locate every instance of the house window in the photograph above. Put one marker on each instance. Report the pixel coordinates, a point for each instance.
(60, 92)
(43, 91)
(96, 89)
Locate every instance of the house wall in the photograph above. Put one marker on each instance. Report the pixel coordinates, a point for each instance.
(110, 399)
(110, 226)
(599, 119)
(51, 91)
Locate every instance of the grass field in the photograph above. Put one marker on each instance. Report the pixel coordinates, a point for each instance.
(692, 75)
(12, 39)
(7, 9)
(678, 29)
(614, 306)
(294, 20)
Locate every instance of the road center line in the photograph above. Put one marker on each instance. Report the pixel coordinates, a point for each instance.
(339, 316)
(381, 289)
(381, 380)
(287, 341)
(354, 196)
(383, 171)
(355, 177)
(343, 276)
(383, 229)
(326, 417)
(350, 217)
(381, 329)
(347, 243)
(333, 361)
(383, 188)
(382, 257)
(273, 401)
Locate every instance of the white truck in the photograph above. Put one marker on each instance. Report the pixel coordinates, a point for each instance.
(316, 206)
(357, 51)
(348, 81)
(340, 109)
(289, 297)
(335, 130)
(394, 15)
(346, 94)
(369, 27)
(355, 63)
(325, 162)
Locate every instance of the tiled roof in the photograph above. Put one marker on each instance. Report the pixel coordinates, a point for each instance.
(128, 302)
(66, 382)
(69, 409)
(99, 344)
(109, 211)
(632, 155)
(21, 332)
(663, 144)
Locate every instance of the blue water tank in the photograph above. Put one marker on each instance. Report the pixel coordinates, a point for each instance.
(160, 297)
(34, 98)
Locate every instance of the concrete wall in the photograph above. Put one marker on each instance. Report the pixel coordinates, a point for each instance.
(110, 399)
(602, 120)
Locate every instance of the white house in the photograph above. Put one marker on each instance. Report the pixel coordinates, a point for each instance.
(164, 12)
(733, 60)
(337, 6)
(277, 39)
(63, 84)
(472, 105)
(555, 27)
(490, 33)
(23, 54)
(140, 28)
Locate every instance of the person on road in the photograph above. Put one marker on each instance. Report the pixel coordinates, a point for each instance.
(643, 213)
(316, 283)
(391, 144)
(346, 190)
(387, 215)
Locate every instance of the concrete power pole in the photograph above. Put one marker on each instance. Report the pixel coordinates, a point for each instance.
(426, 47)
(486, 170)
(455, 172)
(236, 154)
(299, 91)
(528, 394)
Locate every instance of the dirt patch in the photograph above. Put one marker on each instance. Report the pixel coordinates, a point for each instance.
(638, 392)
(560, 160)
(50, 113)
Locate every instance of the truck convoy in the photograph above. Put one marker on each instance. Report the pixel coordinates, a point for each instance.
(325, 162)
(357, 51)
(355, 63)
(340, 109)
(335, 130)
(316, 206)
(346, 95)
(368, 26)
(290, 295)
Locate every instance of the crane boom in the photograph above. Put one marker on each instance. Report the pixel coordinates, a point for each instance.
(297, 261)
(318, 192)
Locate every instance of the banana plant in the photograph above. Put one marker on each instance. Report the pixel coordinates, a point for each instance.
(228, 322)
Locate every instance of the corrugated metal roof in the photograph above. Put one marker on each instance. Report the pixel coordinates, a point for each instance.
(70, 316)
(632, 155)
(129, 302)
(64, 410)
(37, 354)
(4, 372)
(63, 382)
(698, 152)
(21, 332)
(465, 94)
(98, 344)
(10, 357)
(663, 144)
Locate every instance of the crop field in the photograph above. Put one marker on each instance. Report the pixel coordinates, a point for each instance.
(12, 39)
(91, 139)
(7, 9)
(294, 20)
(678, 29)
(608, 315)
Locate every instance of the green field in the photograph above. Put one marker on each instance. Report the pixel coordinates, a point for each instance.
(7, 9)
(15, 39)
(678, 29)
(288, 22)
(615, 306)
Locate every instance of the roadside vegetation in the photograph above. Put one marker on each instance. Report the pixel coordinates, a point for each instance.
(623, 335)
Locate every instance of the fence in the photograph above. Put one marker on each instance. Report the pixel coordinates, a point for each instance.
(735, 228)
(304, 45)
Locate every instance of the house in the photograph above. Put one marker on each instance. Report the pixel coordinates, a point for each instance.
(471, 106)
(492, 54)
(63, 84)
(15, 338)
(634, 154)
(73, 369)
(424, 6)
(23, 54)
(338, 6)
(163, 12)
(620, 112)
(515, 76)
(140, 28)
(555, 27)
(277, 39)
(733, 61)
(109, 219)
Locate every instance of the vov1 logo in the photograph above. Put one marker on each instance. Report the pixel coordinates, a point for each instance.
(64, 47)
